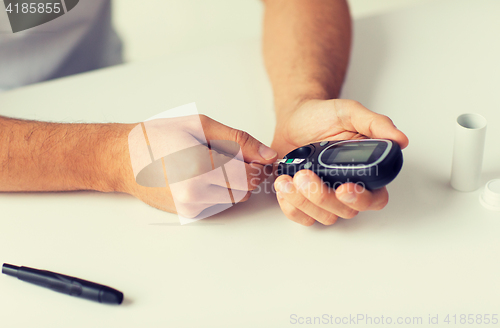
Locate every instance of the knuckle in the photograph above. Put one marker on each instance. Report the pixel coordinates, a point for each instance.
(241, 137)
(330, 219)
(299, 201)
(253, 183)
(355, 103)
(293, 212)
(321, 198)
(309, 221)
(184, 195)
(349, 214)
(296, 215)
(387, 119)
(362, 206)
(351, 104)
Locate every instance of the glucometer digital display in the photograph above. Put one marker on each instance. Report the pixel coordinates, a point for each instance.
(372, 163)
(351, 153)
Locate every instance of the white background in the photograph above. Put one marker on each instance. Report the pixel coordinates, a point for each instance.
(431, 251)
(156, 28)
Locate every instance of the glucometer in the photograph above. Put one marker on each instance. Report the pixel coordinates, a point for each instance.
(371, 163)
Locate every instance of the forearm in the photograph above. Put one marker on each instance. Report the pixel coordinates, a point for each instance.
(306, 49)
(40, 156)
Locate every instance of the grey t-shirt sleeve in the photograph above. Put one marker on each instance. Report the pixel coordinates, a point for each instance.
(81, 40)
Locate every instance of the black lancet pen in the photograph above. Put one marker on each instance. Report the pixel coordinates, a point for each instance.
(65, 284)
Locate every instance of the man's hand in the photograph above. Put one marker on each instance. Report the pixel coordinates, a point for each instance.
(306, 51)
(41, 156)
(305, 198)
(188, 177)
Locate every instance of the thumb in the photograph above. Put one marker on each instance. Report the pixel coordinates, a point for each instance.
(252, 149)
(373, 125)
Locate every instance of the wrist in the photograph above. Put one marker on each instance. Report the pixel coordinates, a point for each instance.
(288, 101)
(114, 170)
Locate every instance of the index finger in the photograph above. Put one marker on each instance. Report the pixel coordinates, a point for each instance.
(240, 175)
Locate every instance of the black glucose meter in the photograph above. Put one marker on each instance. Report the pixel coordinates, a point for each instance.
(371, 163)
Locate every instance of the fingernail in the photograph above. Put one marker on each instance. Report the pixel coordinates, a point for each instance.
(284, 186)
(348, 198)
(266, 152)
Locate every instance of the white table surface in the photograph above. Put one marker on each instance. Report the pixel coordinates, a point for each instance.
(431, 251)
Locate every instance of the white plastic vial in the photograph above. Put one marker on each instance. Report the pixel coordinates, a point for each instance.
(470, 132)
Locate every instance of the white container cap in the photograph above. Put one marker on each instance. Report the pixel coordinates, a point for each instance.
(490, 197)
